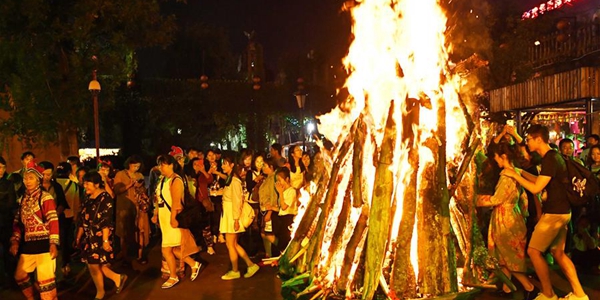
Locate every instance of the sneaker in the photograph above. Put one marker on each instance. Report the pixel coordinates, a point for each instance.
(251, 271)
(571, 296)
(231, 275)
(221, 239)
(541, 296)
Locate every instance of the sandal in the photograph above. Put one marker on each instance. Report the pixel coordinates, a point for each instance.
(170, 282)
(121, 283)
(195, 271)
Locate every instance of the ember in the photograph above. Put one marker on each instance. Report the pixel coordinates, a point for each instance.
(380, 216)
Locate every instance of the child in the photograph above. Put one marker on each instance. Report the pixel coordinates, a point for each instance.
(288, 207)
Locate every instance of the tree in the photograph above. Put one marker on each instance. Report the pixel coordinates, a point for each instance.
(48, 50)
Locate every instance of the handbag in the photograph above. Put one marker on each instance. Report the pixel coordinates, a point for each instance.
(247, 215)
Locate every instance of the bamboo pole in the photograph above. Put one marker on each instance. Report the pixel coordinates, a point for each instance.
(356, 242)
(342, 222)
(377, 236)
(403, 280)
(357, 164)
(314, 249)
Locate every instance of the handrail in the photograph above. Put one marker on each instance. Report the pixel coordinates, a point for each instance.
(565, 46)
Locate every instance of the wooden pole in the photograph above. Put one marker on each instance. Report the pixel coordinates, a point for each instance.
(379, 221)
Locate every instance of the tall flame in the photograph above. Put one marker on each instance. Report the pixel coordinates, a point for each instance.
(399, 51)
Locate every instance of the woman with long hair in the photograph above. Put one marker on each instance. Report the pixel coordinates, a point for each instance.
(96, 228)
(230, 220)
(177, 243)
(507, 234)
(297, 168)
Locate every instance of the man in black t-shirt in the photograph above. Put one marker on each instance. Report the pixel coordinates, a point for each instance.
(551, 230)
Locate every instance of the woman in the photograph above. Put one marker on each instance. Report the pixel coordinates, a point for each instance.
(216, 193)
(95, 229)
(288, 207)
(508, 233)
(255, 175)
(130, 224)
(268, 205)
(297, 168)
(36, 236)
(308, 166)
(230, 220)
(105, 169)
(177, 243)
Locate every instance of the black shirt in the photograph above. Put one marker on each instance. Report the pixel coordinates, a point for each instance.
(553, 165)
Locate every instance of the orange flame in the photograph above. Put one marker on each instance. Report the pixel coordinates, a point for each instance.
(399, 51)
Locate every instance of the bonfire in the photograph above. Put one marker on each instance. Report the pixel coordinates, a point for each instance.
(383, 218)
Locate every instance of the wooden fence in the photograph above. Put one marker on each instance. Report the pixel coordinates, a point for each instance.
(582, 83)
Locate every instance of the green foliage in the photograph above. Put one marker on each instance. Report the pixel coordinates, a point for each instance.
(48, 49)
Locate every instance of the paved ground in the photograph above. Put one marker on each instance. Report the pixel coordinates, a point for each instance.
(144, 283)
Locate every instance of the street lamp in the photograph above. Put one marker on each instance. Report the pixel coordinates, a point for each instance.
(94, 88)
(301, 100)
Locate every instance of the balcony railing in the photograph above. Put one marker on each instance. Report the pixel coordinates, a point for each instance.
(565, 46)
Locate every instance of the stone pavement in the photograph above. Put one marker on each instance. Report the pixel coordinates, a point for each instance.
(144, 283)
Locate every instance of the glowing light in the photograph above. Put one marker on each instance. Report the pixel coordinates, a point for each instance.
(545, 7)
(537, 43)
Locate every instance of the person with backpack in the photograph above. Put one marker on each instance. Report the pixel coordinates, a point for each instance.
(551, 230)
(36, 236)
(177, 243)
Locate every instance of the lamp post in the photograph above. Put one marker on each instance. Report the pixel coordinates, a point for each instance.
(94, 88)
(301, 101)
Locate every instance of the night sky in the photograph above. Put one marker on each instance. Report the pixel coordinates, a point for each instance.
(283, 27)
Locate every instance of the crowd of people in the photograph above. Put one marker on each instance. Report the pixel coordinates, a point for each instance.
(523, 181)
(102, 215)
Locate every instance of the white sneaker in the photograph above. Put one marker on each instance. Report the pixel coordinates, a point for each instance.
(251, 271)
(571, 296)
(541, 296)
(231, 275)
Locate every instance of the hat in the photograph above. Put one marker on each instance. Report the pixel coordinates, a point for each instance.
(176, 152)
(35, 169)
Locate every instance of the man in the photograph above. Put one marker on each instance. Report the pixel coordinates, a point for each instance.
(8, 207)
(192, 153)
(551, 230)
(276, 155)
(17, 176)
(589, 142)
(567, 148)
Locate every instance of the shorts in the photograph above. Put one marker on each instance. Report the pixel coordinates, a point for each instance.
(550, 232)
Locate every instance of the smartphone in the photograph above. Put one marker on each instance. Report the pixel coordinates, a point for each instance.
(510, 122)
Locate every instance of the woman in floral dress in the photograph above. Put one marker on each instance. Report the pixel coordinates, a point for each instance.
(507, 234)
(96, 228)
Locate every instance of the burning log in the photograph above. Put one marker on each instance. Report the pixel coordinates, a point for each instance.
(437, 266)
(403, 276)
(357, 162)
(302, 232)
(338, 234)
(314, 249)
(379, 225)
(355, 242)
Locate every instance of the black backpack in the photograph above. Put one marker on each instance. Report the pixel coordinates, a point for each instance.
(191, 214)
(582, 185)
